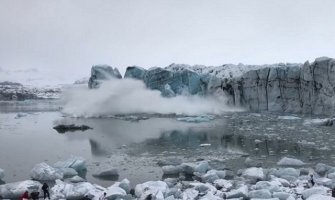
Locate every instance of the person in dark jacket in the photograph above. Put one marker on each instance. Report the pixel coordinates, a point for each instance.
(333, 192)
(86, 198)
(34, 195)
(25, 196)
(312, 180)
(45, 189)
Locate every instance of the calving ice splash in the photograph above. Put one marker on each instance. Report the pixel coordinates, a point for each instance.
(129, 96)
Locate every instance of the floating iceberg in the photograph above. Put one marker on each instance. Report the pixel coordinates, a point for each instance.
(290, 162)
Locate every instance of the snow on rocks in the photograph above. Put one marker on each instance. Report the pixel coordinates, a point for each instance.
(44, 172)
(290, 162)
(15, 190)
(74, 162)
(2, 174)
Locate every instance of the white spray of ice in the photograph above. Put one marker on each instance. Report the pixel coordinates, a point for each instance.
(127, 96)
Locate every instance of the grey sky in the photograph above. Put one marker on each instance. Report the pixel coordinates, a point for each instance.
(54, 35)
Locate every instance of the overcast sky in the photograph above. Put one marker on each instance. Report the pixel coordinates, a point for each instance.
(59, 35)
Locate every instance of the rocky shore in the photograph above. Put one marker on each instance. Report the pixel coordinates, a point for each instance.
(289, 180)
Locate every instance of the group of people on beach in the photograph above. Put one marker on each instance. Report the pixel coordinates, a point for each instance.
(45, 188)
(35, 194)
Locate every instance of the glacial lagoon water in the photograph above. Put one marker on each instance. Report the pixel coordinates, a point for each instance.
(136, 147)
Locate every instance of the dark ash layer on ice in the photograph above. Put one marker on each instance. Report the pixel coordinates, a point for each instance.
(307, 88)
(196, 180)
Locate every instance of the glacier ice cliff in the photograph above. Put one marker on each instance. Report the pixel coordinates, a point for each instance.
(307, 88)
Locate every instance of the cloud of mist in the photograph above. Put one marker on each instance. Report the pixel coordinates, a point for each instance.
(127, 96)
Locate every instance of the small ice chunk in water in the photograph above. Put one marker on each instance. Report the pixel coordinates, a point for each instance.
(205, 145)
(290, 162)
(289, 117)
(44, 172)
(106, 173)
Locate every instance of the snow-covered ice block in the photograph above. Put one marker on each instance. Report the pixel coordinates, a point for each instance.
(115, 192)
(202, 167)
(272, 186)
(74, 162)
(68, 172)
(223, 184)
(320, 197)
(44, 172)
(281, 195)
(155, 188)
(190, 193)
(253, 173)
(241, 192)
(124, 184)
(15, 190)
(290, 162)
(62, 190)
(188, 168)
(314, 190)
(260, 194)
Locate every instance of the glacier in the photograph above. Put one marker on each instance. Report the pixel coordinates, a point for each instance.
(307, 88)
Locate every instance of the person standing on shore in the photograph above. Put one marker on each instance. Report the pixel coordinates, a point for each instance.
(45, 189)
(103, 197)
(312, 180)
(25, 196)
